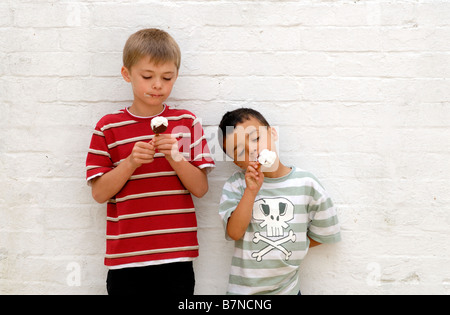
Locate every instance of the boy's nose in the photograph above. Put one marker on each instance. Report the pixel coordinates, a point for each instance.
(157, 84)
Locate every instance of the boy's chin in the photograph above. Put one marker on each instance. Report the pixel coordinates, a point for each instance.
(272, 168)
(153, 103)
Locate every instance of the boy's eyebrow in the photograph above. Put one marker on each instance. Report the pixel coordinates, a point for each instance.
(167, 72)
(238, 144)
(249, 134)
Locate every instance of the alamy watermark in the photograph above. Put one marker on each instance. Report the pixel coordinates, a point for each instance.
(73, 278)
(251, 139)
(373, 278)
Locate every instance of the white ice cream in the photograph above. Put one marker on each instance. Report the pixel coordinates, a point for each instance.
(267, 158)
(158, 121)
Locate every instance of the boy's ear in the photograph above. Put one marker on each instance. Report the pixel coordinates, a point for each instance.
(274, 134)
(125, 74)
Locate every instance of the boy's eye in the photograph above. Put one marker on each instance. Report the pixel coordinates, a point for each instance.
(240, 151)
(148, 78)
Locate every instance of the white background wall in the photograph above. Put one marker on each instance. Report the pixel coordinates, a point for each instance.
(359, 89)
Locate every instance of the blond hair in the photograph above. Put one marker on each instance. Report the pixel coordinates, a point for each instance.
(154, 43)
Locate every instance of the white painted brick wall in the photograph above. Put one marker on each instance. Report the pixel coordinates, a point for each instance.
(359, 89)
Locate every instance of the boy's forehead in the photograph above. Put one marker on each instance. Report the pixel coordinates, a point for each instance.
(249, 125)
(146, 63)
(241, 131)
(244, 130)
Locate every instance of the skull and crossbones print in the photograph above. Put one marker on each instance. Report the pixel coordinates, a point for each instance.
(274, 214)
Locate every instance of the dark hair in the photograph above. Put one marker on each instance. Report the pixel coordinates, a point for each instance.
(235, 117)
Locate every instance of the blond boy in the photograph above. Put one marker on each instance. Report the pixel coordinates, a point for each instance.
(147, 179)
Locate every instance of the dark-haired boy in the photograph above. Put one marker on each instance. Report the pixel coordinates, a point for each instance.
(273, 214)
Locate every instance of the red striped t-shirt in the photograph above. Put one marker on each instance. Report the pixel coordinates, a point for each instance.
(152, 219)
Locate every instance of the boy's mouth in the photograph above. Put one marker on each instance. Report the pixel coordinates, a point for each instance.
(152, 95)
(267, 158)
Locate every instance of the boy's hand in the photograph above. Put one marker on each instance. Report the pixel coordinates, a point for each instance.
(254, 177)
(242, 215)
(167, 145)
(142, 153)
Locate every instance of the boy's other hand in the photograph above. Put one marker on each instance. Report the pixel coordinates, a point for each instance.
(254, 177)
(167, 145)
(142, 153)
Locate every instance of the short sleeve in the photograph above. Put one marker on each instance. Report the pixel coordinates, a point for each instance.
(323, 225)
(199, 150)
(232, 193)
(98, 161)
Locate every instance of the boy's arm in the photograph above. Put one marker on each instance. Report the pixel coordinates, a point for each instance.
(193, 178)
(324, 225)
(242, 215)
(108, 185)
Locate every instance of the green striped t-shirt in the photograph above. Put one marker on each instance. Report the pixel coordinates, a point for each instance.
(287, 210)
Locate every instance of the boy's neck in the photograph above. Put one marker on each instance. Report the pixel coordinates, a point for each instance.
(145, 111)
(281, 171)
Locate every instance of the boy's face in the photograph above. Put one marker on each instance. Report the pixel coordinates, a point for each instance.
(248, 140)
(152, 84)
